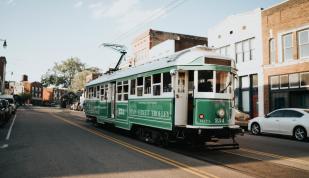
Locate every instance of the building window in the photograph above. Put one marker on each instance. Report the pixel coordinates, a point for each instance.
(156, 80)
(272, 51)
(303, 43)
(147, 85)
(274, 82)
(239, 53)
(294, 80)
(167, 82)
(304, 79)
(245, 82)
(255, 82)
(245, 50)
(252, 48)
(223, 51)
(284, 81)
(287, 47)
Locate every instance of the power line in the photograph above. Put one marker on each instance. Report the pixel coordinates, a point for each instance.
(154, 16)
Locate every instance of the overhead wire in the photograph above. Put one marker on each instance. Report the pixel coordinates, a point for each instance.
(154, 16)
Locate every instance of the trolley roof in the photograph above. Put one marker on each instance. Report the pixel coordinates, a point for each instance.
(181, 58)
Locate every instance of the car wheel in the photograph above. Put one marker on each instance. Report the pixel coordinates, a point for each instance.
(255, 129)
(300, 133)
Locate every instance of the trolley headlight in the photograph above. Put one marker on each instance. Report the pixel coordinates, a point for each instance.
(221, 113)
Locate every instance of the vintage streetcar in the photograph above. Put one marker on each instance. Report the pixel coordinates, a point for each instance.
(185, 96)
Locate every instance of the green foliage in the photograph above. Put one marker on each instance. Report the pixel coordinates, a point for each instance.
(79, 80)
(63, 73)
(23, 97)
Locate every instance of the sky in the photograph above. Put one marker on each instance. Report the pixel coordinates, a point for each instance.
(40, 33)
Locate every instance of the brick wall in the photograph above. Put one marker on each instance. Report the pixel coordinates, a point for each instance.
(288, 17)
(145, 41)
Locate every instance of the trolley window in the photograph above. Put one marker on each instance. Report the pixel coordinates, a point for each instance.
(98, 91)
(167, 82)
(94, 92)
(147, 85)
(139, 86)
(133, 87)
(106, 91)
(156, 86)
(125, 90)
(205, 81)
(222, 82)
(102, 93)
(119, 91)
(91, 92)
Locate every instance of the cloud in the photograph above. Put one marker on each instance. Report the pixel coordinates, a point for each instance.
(11, 2)
(78, 4)
(121, 7)
(97, 9)
(125, 13)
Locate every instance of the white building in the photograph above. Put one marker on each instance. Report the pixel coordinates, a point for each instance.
(14, 88)
(240, 37)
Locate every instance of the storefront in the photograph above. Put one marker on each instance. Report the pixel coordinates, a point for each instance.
(289, 91)
(247, 94)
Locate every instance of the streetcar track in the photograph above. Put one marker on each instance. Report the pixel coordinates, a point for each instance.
(200, 156)
(215, 163)
(148, 153)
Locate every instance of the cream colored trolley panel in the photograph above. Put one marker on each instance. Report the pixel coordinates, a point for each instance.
(112, 96)
(181, 97)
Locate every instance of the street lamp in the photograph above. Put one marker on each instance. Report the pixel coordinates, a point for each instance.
(4, 43)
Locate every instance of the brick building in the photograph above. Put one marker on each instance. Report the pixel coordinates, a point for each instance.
(48, 95)
(285, 35)
(53, 94)
(143, 43)
(2, 73)
(36, 93)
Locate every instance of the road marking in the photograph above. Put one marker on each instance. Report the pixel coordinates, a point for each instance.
(4, 146)
(156, 156)
(282, 160)
(275, 156)
(10, 130)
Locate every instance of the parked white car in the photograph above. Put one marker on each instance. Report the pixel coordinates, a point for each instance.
(287, 121)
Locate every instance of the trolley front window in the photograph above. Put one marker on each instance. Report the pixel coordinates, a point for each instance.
(205, 81)
(222, 81)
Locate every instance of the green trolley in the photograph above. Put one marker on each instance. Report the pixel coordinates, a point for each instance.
(185, 96)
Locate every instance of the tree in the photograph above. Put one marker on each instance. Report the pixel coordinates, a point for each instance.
(79, 79)
(63, 73)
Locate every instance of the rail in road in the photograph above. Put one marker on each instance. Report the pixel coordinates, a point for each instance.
(245, 161)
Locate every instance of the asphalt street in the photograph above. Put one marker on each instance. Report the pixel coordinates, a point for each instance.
(50, 142)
